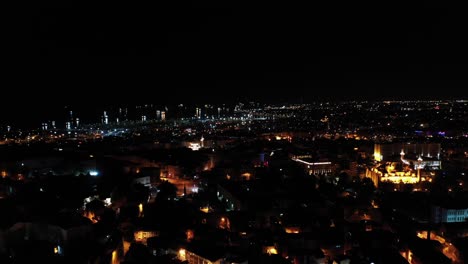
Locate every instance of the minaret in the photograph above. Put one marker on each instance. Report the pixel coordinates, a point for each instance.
(402, 157)
(419, 168)
(105, 118)
(71, 120)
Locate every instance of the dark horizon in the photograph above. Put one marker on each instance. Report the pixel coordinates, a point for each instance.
(70, 53)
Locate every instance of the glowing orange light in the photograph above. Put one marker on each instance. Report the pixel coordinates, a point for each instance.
(115, 259)
(272, 251)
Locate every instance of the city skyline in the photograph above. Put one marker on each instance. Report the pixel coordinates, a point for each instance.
(187, 132)
(33, 116)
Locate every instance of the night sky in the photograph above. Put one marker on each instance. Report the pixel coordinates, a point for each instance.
(83, 51)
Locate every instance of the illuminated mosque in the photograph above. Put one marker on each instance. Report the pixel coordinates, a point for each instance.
(404, 170)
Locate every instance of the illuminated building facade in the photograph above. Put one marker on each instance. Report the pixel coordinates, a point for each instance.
(194, 146)
(315, 168)
(403, 171)
(449, 214)
(377, 176)
(194, 258)
(142, 236)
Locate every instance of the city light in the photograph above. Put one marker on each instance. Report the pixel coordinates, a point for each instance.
(194, 146)
(271, 251)
(182, 254)
(205, 209)
(140, 210)
(352, 162)
(312, 163)
(115, 259)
